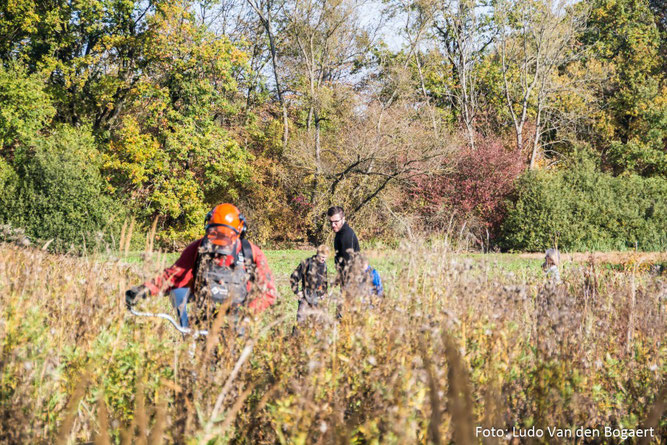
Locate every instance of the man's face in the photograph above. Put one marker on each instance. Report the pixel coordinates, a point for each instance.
(321, 258)
(222, 236)
(336, 222)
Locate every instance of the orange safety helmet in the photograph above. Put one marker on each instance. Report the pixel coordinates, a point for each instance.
(224, 224)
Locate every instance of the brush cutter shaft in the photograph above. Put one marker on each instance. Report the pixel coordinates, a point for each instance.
(169, 318)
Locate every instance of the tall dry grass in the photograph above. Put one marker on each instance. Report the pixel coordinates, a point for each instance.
(455, 344)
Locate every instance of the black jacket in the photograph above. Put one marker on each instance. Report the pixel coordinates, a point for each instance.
(312, 276)
(345, 241)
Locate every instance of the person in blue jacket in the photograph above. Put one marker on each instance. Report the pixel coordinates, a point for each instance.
(364, 285)
(372, 275)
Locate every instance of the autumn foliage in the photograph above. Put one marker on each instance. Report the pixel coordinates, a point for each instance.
(288, 107)
(474, 186)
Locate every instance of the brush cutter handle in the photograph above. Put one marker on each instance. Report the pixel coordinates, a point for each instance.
(169, 318)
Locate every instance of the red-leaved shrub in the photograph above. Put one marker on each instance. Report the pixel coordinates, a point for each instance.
(475, 185)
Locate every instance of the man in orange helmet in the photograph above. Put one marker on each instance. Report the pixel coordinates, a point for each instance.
(220, 269)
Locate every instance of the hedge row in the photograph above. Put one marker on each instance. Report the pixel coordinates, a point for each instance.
(585, 209)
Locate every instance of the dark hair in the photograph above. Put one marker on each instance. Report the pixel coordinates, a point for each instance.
(335, 210)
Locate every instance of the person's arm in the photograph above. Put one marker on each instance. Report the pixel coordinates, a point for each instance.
(267, 294)
(296, 278)
(355, 241)
(349, 244)
(338, 253)
(326, 278)
(178, 275)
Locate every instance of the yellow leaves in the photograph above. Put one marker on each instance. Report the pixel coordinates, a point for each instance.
(238, 56)
(342, 358)
(370, 432)
(419, 398)
(636, 264)
(182, 45)
(20, 15)
(129, 156)
(301, 438)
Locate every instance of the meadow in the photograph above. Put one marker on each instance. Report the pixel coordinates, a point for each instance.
(461, 344)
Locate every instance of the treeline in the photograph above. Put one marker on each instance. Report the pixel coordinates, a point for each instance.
(490, 122)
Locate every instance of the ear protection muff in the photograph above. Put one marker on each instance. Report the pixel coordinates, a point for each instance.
(245, 225)
(208, 217)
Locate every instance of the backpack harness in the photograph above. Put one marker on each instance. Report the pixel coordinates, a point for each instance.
(312, 295)
(218, 283)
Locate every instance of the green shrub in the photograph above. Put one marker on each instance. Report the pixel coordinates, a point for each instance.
(586, 210)
(60, 192)
(8, 180)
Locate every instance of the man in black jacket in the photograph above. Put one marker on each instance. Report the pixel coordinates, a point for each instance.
(345, 242)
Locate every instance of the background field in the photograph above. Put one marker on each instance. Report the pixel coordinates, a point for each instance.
(461, 340)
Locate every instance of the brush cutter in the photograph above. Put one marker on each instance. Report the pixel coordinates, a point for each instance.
(170, 319)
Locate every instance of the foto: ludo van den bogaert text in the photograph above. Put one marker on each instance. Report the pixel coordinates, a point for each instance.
(554, 432)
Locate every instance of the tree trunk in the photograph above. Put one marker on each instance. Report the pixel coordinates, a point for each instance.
(274, 63)
(309, 119)
(318, 153)
(536, 139)
(266, 23)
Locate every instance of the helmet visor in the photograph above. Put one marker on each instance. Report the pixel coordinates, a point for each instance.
(221, 235)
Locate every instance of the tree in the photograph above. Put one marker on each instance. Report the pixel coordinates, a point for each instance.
(464, 34)
(417, 19)
(266, 9)
(364, 164)
(632, 126)
(170, 154)
(91, 51)
(586, 209)
(473, 191)
(326, 44)
(25, 114)
(535, 38)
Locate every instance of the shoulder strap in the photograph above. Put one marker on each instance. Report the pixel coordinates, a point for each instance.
(310, 263)
(248, 259)
(247, 250)
(195, 267)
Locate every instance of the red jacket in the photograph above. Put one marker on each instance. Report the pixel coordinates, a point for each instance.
(181, 275)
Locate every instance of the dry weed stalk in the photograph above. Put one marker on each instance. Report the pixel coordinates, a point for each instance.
(156, 436)
(459, 397)
(102, 435)
(72, 410)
